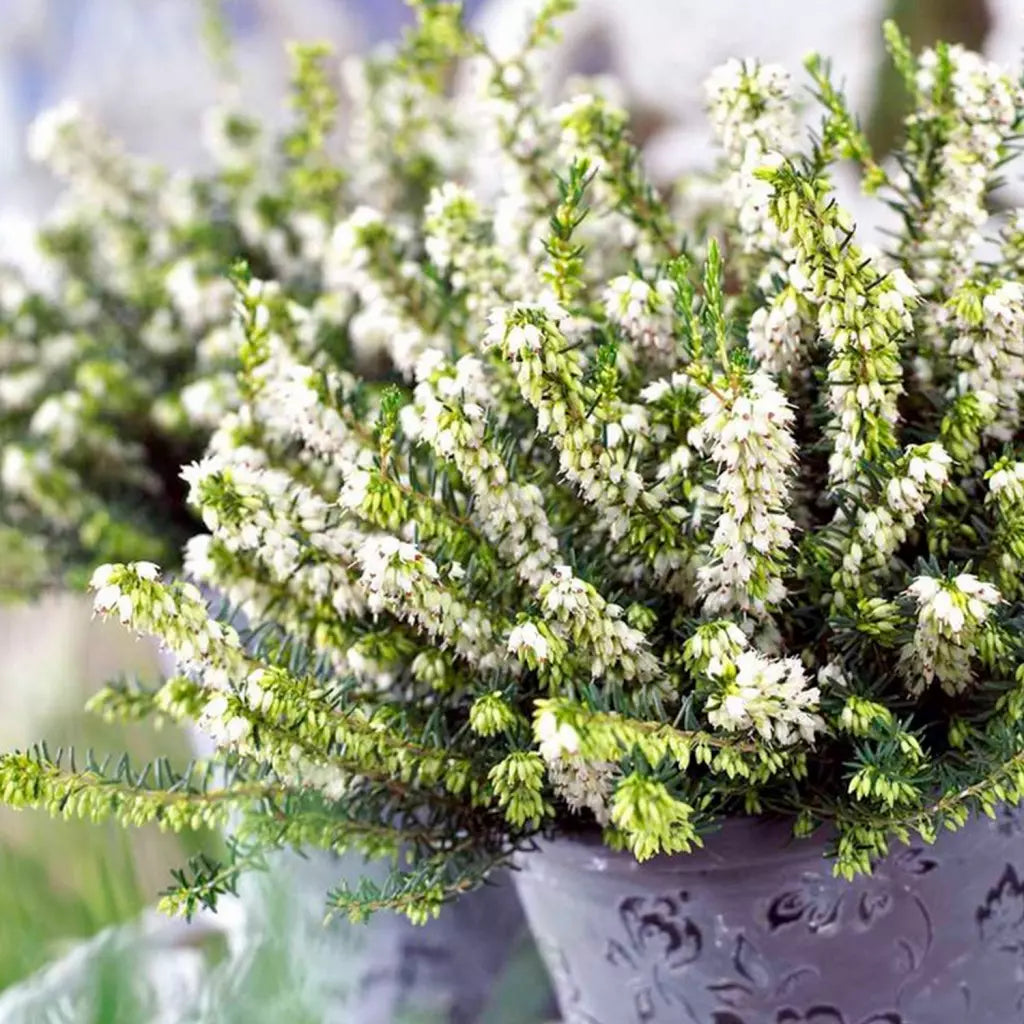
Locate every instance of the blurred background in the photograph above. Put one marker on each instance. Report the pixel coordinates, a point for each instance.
(141, 67)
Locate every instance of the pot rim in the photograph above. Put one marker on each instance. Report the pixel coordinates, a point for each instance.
(734, 844)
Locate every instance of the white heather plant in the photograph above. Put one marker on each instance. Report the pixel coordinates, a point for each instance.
(654, 530)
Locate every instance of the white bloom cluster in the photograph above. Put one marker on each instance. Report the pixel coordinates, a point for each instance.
(110, 595)
(578, 117)
(862, 311)
(457, 240)
(665, 397)
(769, 696)
(612, 647)
(950, 616)
(987, 324)
(20, 389)
(366, 259)
(210, 653)
(528, 643)
(517, 135)
(395, 124)
(746, 429)
(287, 532)
(295, 401)
(779, 330)
(48, 134)
(585, 785)
(1006, 498)
(1006, 482)
(399, 578)
(349, 256)
(864, 378)
(588, 122)
(58, 493)
(644, 311)
(750, 691)
(878, 531)
(218, 722)
(549, 374)
(198, 302)
(449, 219)
(205, 402)
(977, 104)
(176, 614)
(753, 117)
(713, 645)
(74, 147)
(451, 420)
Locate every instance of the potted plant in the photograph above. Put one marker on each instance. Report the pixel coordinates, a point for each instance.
(684, 572)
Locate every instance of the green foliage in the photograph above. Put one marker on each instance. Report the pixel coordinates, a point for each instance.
(650, 819)
(108, 892)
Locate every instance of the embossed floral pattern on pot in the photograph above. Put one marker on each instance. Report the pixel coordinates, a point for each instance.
(657, 943)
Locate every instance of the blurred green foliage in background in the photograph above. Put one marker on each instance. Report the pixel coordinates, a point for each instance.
(61, 882)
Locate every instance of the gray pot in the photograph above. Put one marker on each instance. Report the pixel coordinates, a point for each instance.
(753, 929)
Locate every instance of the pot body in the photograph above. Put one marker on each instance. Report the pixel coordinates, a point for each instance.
(754, 929)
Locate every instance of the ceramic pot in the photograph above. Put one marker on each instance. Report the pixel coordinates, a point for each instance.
(754, 929)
